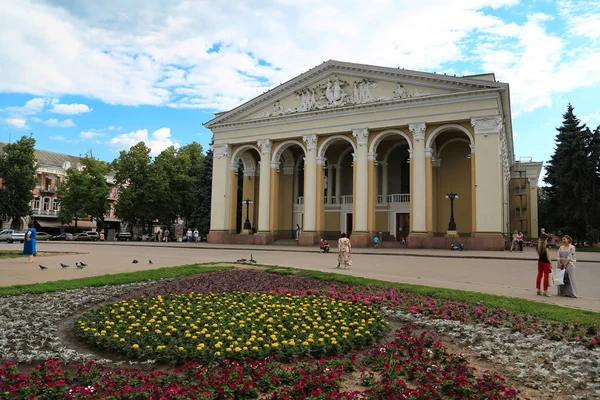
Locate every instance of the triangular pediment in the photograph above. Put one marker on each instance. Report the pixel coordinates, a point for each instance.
(336, 85)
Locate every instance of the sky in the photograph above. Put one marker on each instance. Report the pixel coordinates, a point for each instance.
(104, 75)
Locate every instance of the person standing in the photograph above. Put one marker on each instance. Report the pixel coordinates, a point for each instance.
(566, 260)
(344, 252)
(544, 265)
(521, 238)
(515, 242)
(29, 244)
(159, 234)
(196, 235)
(297, 231)
(189, 235)
(167, 233)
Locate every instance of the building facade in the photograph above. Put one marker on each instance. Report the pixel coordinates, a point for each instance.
(51, 169)
(362, 149)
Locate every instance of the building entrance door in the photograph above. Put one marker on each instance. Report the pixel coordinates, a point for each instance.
(348, 224)
(402, 226)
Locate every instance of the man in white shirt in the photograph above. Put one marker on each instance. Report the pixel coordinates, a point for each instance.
(196, 235)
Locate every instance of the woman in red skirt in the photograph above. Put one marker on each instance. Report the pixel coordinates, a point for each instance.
(544, 265)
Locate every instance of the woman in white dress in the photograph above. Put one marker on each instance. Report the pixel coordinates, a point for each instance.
(566, 260)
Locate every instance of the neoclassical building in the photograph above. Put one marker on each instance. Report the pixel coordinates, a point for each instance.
(362, 149)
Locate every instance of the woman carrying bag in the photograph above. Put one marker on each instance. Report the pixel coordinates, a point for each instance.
(566, 261)
(544, 265)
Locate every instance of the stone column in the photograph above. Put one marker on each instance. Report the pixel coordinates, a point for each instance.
(533, 209)
(329, 183)
(295, 188)
(384, 181)
(372, 192)
(221, 196)
(418, 197)
(310, 191)
(338, 183)
(488, 185)
(361, 199)
(264, 208)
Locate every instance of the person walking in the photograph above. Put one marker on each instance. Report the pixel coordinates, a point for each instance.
(544, 265)
(344, 252)
(566, 260)
(376, 242)
(29, 244)
(298, 232)
(515, 242)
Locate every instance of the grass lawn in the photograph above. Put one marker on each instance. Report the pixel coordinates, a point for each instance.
(11, 254)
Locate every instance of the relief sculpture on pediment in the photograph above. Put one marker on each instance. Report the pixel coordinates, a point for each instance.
(337, 92)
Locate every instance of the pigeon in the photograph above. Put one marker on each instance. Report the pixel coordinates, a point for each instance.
(150, 262)
(42, 267)
(79, 265)
(64, 265)
(252, 260)
(135, 261)
(83, 265)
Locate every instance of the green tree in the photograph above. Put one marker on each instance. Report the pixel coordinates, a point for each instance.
(96, 186)
(133, 170)
(203, 193)
(17, 170)
(71, 194)
(569, 174)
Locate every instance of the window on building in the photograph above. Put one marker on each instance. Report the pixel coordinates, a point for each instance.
(55, 204)
(46, 203)
(36, 203)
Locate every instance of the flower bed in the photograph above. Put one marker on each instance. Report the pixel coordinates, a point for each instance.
(206, 328)
(410, 367)
(533, 352)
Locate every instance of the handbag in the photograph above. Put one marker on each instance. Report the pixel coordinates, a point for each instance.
(550, 276)
(558, 277)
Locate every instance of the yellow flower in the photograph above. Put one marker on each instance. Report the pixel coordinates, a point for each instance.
(136, 346)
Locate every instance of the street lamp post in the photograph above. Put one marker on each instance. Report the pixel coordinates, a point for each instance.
(247, 225)
(452, 223)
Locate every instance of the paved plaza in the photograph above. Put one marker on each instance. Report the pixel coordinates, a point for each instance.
(500, 273)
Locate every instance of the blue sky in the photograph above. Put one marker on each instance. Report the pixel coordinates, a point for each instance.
(105, 75)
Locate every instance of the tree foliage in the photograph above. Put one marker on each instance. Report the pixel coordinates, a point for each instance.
(572, 175)
(83, 193)
(203, 193)
(17, 170)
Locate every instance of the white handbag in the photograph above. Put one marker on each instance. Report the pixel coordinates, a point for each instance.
(559, 277)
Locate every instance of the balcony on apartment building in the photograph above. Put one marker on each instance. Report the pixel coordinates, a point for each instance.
(44, 213)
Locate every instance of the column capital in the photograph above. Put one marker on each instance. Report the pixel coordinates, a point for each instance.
(275, 165)
(533, 182)
(265, 146)
(472, 146)
(361, 135)
(311, 141)
(487, 125)
(221, 150)
(418, 130)
(321, 160)
(410, 153)
(428, 151)
(371, 156)
(436, 162)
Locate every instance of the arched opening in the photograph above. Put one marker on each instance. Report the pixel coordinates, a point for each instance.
(451, 172)
(393, 175)
(245, 162)
(288, 158)
(337, 155)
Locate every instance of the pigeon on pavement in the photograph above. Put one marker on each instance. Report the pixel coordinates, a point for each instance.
(64, 265)
(150, 262)
(83, 265)
(42, 267)
(135, 261)
(78, 265)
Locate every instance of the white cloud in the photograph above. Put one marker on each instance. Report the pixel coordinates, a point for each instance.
(61, 138)
(31, 107)
(53, 122)
(158, 141)
(70, 109)
(96, 133)
(179, 55)
(20, 123)
(592, 119)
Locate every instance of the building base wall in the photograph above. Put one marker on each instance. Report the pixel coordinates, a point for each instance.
(493, 243)
(309, 238)
(361, 239)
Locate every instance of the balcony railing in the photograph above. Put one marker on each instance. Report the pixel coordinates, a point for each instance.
(51, 213)
(349, 199)
(49, 189)
(394, 198)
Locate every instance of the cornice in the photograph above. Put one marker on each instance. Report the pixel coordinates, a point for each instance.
(408, 76)
(436, 99)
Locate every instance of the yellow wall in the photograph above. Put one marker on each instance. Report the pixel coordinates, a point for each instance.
(515, 223)
(381, 221)
(332, 222)
(454, 175)
(286, 206)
